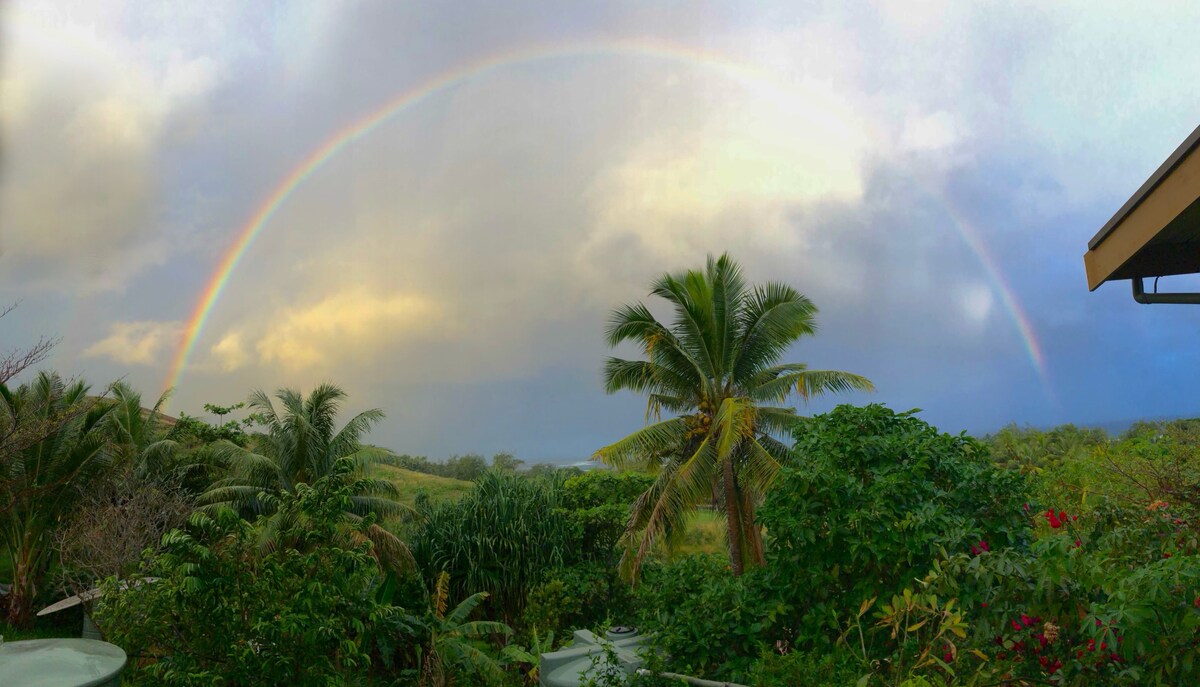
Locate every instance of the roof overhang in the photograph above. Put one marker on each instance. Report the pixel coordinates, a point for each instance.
(1157, 232)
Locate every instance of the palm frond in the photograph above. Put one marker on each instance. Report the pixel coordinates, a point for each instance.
(641, 446)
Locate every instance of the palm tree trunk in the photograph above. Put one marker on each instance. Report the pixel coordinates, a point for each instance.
(732, 517)
(753, 533)
(20, 596)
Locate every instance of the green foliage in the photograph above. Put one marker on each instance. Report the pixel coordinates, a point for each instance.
(500, 539)
(221, 612)
(301, 446)
(581, 596)
(1031, 450)
(1120, 589)
(56, 447)
(779, 667)
(506, 462)
(454, 644)
(598, 504)
(717, 367)
(871, 500)
(704, 619)
(467, 468)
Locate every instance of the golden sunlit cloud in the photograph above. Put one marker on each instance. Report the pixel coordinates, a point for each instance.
(349, 323)
(230, 353)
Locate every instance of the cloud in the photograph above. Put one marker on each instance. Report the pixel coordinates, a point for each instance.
(230, 352)
(83, 117)
(136, 343)
(351, 324)
(976, 301)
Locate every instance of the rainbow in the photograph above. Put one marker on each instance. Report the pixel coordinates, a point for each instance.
(347, 136)
(974, 240)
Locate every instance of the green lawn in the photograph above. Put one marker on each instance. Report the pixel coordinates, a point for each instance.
(412, 483)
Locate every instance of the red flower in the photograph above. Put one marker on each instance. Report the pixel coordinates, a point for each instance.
(1016, 626)
(948, 657)
(1026, 620)
(1078, 543)
(1055, 520)
(984, 603)
(1166, 554)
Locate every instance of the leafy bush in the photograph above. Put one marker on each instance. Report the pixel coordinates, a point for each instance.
(782, 668)
(598, 504)
(871, 501)
(221, 611)
(1109, 597)
(704, 619)
(581, 596)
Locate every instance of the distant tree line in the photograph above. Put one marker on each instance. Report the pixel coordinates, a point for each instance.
(469, 467)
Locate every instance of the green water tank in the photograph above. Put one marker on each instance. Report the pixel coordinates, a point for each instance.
(571, 666)
(61, 663)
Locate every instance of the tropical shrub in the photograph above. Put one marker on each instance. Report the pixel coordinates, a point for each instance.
(302, 445)
(598, 504)
(1109, 597)
(456, 645)
(219, 612)
(500, 538)
(585, 595)
(779, 667)
(705, 621)
(870, 501)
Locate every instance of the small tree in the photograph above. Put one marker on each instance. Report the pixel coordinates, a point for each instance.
(41, 483)
(451, 646)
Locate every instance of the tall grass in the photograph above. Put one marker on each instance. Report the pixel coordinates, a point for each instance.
(500, 538)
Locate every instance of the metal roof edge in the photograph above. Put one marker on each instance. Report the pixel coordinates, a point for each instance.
(1189, 144)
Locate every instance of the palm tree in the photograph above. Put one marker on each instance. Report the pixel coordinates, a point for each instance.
(301, 446)
(717, 368)
(140, 435)
(65, 448)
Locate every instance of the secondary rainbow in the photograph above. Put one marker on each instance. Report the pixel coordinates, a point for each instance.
(341, 139)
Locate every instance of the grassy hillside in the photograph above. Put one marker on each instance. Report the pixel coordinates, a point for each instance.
(411, 483)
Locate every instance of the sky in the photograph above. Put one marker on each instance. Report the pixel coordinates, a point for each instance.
(435, 205)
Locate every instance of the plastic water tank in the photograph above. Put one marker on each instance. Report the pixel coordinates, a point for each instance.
(586, 657)
(61, 663)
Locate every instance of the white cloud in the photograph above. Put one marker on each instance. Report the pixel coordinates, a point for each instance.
(83, 117)
(137, 343)
(976, 301)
